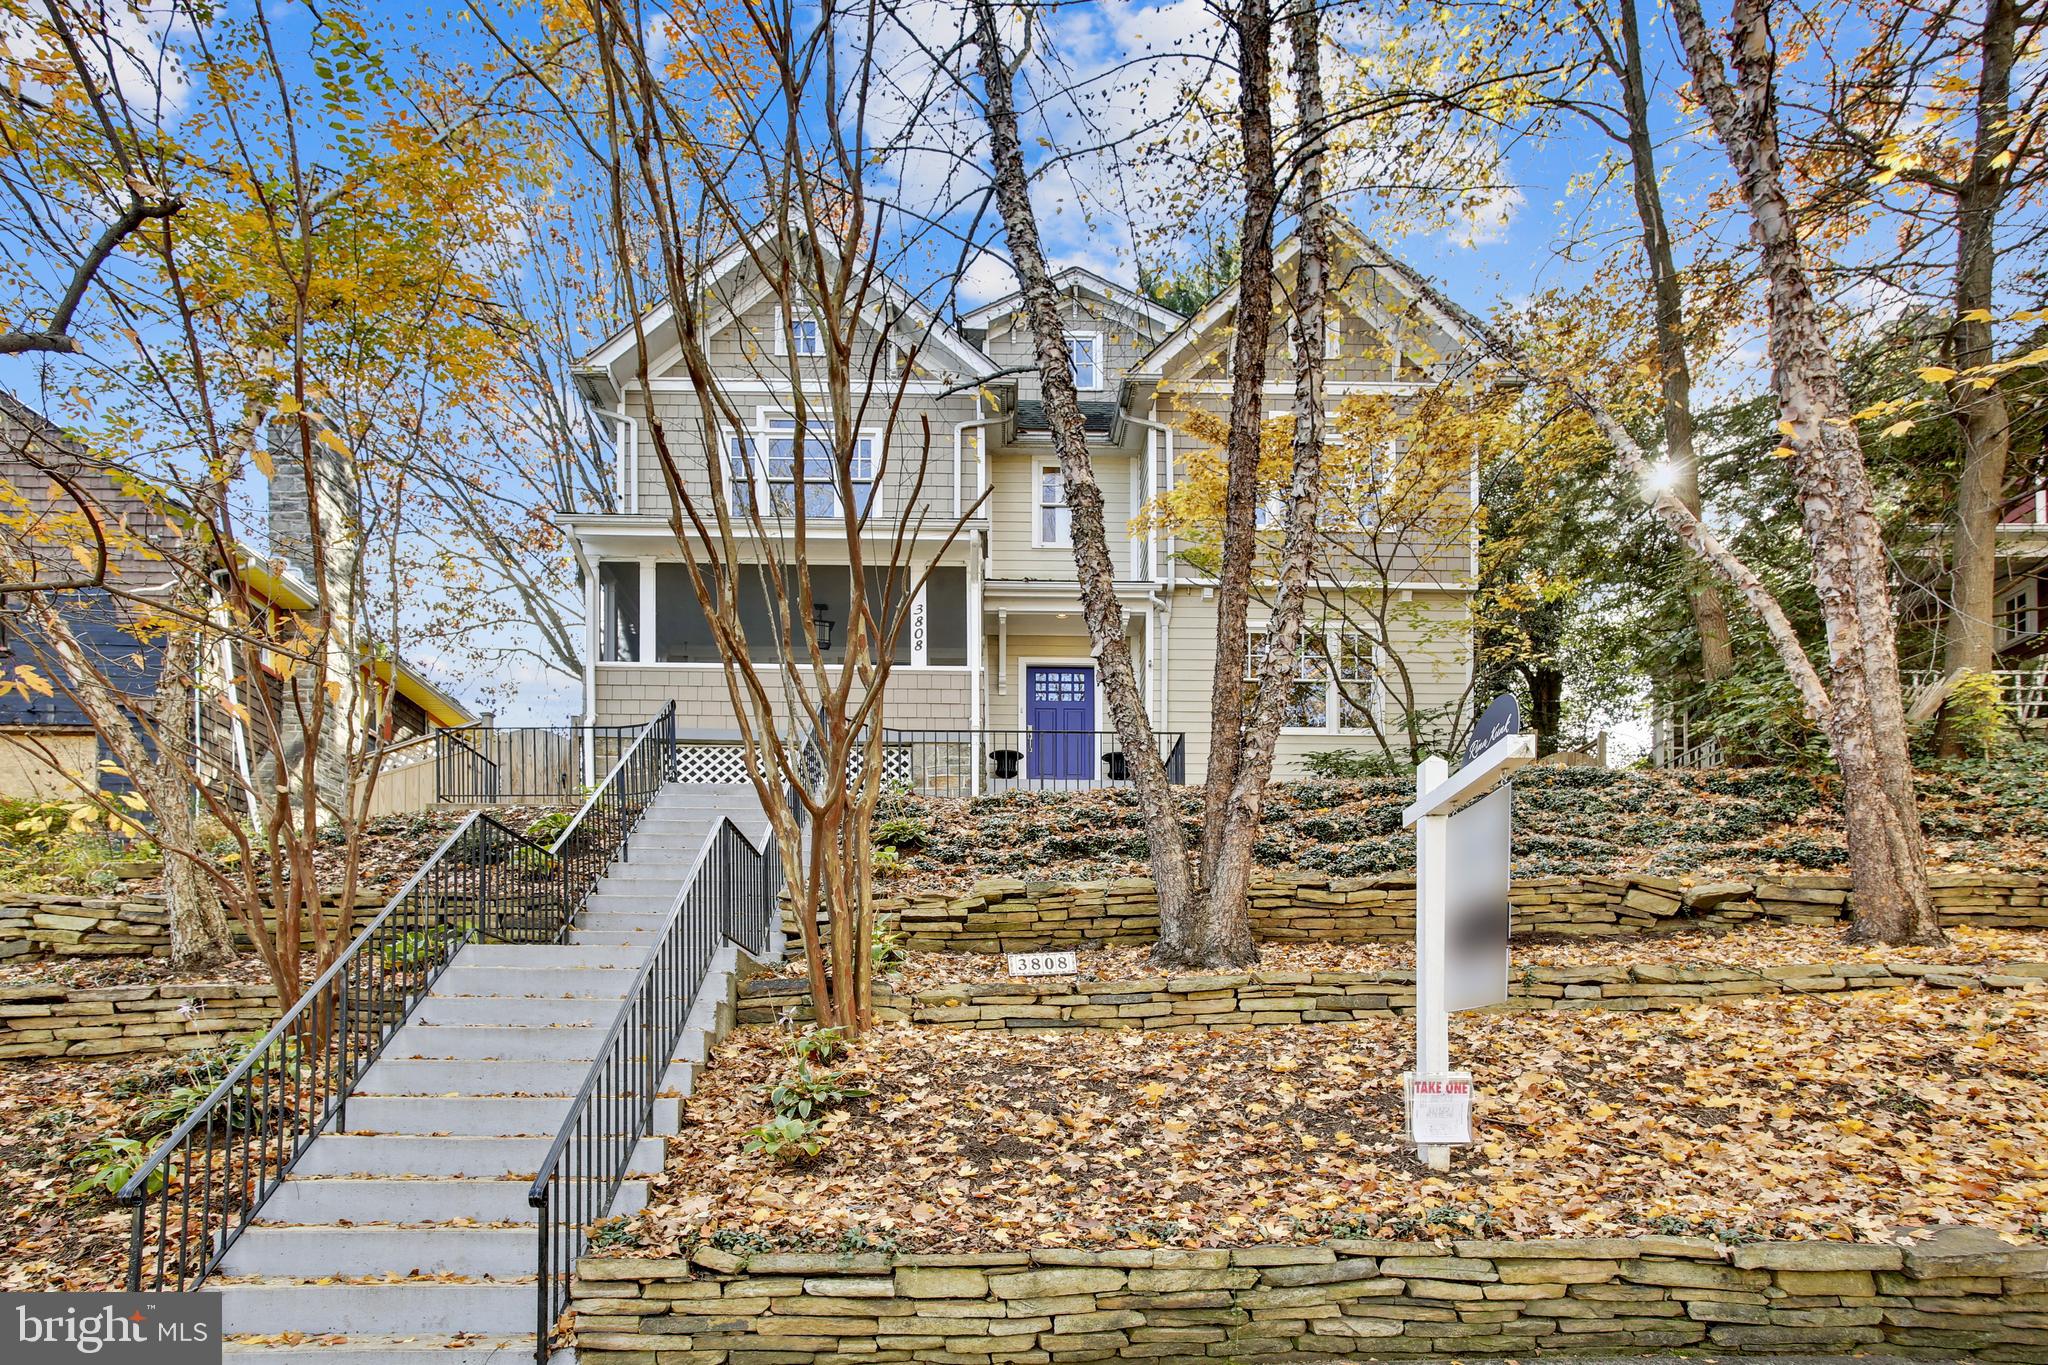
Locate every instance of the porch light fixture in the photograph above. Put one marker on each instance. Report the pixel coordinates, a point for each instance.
(821, 626)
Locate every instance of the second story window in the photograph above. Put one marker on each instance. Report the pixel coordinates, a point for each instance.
(1084, 356)
(1055, 528)
(784, 465)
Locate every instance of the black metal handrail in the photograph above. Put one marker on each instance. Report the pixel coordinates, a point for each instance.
(962, 762)
(542, 764)
(729, 893)
(203, 1185)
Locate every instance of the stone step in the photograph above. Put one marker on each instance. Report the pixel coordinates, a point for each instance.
(377, 1349)
(632, 902)
(551, 955)
(422, 1307)
(490, 1115)
(363, 1200)
(554, 982)
(465, 1155)
(314, 1252)
(644, 937)
(439, 1076)
(516, 1042)
(501, 1011)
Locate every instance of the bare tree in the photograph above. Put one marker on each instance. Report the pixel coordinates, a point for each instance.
(849, 519)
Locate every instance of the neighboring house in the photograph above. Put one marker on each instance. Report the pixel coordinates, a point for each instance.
(47, 746)
(1003, 656)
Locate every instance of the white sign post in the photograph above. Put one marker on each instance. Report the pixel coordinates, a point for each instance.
(1439, 1100)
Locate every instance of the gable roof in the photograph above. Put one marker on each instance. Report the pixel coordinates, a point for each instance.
(621, 348)
(1430, 300)
(1122, 296)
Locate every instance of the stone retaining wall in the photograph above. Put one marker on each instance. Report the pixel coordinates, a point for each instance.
(1251, 999)
(50, 928)
(63, 1021)
(1007, 915)
(1963, 1295)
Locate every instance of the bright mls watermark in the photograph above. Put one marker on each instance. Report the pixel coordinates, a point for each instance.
(114, 1329)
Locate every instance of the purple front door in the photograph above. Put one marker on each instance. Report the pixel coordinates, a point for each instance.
(1059, 710)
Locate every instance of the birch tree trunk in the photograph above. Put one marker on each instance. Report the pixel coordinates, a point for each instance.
(1981, 413)
(1239, 548)
(1226, 938)
(1157, 802)
(1865, 717)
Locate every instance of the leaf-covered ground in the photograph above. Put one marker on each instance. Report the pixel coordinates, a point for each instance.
(1802, 1117)
(1755, 946)
(52, 1112)
(1568, 821)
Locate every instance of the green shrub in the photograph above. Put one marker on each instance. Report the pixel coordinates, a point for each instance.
(109, 1163)
(821, 1045)
(900, 832)
(802, 1091)
(886, 946)
(786, 1139)
(1977, 715)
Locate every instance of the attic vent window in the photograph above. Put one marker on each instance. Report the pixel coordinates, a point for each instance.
(804, 337)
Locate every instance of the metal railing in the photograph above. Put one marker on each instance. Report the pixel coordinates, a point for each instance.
(203, 1184)
(730, 893)
(487, 765)
(974, 762)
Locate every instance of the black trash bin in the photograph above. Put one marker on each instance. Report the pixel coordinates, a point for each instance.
(1006, 762)
(1113, 764)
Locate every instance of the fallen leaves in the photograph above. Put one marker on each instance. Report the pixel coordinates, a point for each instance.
(1801, 1117)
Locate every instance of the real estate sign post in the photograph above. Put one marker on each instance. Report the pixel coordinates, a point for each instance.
(1461, 917)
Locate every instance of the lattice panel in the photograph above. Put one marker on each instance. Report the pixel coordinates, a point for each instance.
(725, 764)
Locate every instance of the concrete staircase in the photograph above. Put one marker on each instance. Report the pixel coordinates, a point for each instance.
(408, 1237)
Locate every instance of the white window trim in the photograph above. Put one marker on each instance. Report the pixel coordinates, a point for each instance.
(1038, 507)
(757, 467)
(1333, 701)
(1096, 344)
(782, 337)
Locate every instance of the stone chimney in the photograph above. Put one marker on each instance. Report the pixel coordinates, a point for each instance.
(291, 523)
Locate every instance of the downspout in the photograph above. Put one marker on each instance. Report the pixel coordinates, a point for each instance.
(959, 458)
(590, 594)
(628, 473)
(1166, 436)
(238, 736)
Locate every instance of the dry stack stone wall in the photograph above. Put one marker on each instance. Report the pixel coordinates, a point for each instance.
(1258, 998)
(53, 928)
(63, 1021)
(1006, 915)
(1963, 1295)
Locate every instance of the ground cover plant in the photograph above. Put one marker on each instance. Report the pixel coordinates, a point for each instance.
(1989, 814)
(1832, 1117)
(71, 1132)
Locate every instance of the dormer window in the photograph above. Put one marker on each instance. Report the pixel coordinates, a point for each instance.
(1084, 358)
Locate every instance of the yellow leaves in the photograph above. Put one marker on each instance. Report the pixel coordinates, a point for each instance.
(1935, 374)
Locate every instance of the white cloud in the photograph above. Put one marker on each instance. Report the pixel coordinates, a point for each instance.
(987, 277)
(144, 68)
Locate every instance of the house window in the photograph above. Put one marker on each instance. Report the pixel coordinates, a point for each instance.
(801, 335)
(1055, 526)
(1307, 706)
(779, 461)
(1333, 685)
(1084, 357)
(618, 610)
(2019, 614)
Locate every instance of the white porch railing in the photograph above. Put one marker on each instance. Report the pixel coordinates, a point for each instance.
(2025, 690)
